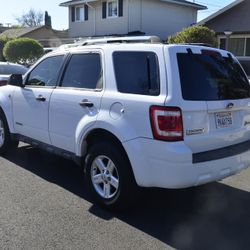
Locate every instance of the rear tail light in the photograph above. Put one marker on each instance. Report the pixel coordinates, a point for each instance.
(3, 82)
(166, 123)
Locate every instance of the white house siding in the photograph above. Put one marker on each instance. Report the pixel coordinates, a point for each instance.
(99, 27)
(83, 28)
(111, 26)
(161, 19)
(165, 19)
(135, 17)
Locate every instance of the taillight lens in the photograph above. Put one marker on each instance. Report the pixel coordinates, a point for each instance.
(3, 82)
(166, 123)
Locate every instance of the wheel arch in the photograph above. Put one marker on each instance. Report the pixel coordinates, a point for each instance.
(4, 116)
(6, 109)
(98, 135)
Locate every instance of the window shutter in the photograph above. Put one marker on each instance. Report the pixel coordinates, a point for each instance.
(73, 14)
(86, 12)
(104, 9)
(120, 5)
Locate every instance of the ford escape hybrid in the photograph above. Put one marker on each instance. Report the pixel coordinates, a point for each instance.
(134, 114)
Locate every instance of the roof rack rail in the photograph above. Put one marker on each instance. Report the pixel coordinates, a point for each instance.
(121, 39)
(198, 44)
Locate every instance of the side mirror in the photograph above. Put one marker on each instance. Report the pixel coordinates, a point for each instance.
(16, 80)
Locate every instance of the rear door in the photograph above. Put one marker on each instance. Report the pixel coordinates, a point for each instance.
(75, 103)
(214, 96)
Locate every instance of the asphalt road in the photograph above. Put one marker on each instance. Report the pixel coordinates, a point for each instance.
(44, 204)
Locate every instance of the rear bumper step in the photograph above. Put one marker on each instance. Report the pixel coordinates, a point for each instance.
(221, 152)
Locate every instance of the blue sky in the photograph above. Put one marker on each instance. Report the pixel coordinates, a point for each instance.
(15, 8)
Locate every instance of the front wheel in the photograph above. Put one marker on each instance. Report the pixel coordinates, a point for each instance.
(109, 176)
(6, 142)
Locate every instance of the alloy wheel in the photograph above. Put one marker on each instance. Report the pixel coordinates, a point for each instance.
(105, 177)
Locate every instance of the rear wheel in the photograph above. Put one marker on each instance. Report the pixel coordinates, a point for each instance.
(109, 176)
(6, 142)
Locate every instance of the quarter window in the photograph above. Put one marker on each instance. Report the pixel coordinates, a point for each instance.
(45, 73)
(137, 73)
(112, 8)
(83, 71)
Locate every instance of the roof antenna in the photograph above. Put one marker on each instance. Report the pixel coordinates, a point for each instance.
(190, 52)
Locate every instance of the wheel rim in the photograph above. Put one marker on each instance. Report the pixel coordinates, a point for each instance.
(2, 133)
(104, 176)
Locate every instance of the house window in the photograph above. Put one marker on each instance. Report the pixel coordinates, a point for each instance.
(79, 14)
(223, 43)
(237, 46)
(112, 8)
(248, 47)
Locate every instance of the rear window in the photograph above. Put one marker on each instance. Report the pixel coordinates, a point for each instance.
(211, 77)
(137, 72)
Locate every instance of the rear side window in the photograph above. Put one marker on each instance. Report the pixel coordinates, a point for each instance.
(83, 71)
(137, 72)
(211, 77)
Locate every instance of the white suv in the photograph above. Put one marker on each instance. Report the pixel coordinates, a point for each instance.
(134, 114)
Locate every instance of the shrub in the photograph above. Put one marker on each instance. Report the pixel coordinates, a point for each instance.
(3, 41)
(195, 34)
(22, 50)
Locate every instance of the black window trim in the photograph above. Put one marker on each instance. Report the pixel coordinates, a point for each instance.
(38, 63)
(158, 66)
(59, 85)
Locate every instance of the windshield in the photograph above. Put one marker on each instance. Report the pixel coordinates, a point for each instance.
(211, 77)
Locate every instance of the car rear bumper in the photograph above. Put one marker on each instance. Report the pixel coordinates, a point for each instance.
(171, 165)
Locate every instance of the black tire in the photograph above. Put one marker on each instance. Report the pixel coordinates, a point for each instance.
(6, 143)
(121, 196)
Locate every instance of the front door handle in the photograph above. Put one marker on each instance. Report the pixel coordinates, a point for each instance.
(86, 103)
(41, 98)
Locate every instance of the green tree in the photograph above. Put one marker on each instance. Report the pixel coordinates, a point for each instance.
(22, 50)
(3, 41)
(194, 34)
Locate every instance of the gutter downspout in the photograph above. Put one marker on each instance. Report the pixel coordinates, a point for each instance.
(128, 16)
(93, 8)
(141, 16)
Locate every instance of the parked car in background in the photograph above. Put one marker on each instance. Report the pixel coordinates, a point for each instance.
(7, 69)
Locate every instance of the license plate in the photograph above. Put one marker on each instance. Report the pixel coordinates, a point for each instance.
(223, 119)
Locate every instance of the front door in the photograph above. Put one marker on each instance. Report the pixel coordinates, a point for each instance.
(31, 103)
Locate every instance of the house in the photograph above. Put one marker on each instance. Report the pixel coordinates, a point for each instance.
(233, 20)
(121, 17)
(2, 28)
(47, 36)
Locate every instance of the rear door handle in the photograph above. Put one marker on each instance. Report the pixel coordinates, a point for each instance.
(41, 98)
(86, 103)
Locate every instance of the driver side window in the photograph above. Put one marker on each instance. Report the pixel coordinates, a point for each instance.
(45, 73)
